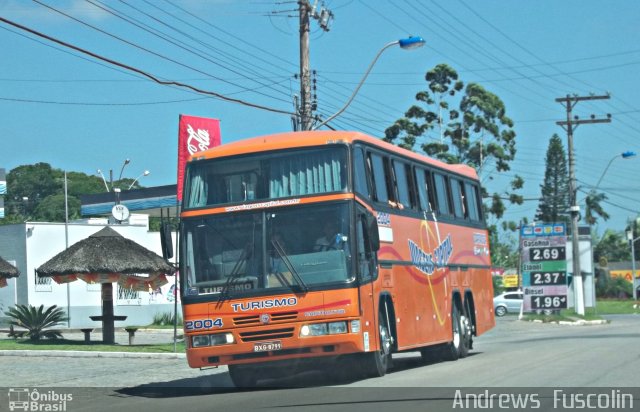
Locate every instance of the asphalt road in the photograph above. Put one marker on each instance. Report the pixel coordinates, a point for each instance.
(521, 357)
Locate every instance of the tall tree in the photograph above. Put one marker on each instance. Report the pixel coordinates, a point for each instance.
(460, 124)
(593, 208)
(613, 246)
(36, 192)
(554, 203)
(27, 186)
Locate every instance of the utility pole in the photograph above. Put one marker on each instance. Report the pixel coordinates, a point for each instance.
(324, 17)
(569, 125)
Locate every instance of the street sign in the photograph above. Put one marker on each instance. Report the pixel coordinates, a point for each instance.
(544, 266)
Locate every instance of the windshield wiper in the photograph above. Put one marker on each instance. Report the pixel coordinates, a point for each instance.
(235, 272)
(277, 246)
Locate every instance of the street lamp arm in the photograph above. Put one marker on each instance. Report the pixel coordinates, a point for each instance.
(625, 155)
(104, 180)
(353, 95)
(604, 172)
(408, 43)
(145, 173)
(126, 162)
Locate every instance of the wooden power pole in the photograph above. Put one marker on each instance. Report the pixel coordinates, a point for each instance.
(324, 17)
(569, 125)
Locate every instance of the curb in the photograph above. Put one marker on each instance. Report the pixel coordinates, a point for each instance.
(574, 323)
(90, 354)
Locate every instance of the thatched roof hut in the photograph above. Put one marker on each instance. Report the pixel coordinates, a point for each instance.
(105, 252)
(107, 257)
(7, 270)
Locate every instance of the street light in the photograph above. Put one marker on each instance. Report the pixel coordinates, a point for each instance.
(632, 240)
(145, 173)
(126, 162)
(409, 43)
(103, 179)
(625, 155)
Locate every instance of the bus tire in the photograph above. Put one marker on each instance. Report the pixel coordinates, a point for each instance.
(375, 364)
(471, 324)
(459, 345)
(243, 376)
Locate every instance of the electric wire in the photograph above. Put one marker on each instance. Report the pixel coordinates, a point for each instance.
(141, 72)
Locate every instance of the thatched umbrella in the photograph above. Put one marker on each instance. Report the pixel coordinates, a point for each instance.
(7, 270)
(107, 257)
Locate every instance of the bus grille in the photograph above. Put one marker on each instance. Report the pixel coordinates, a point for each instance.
(255, 319)
(260, 335)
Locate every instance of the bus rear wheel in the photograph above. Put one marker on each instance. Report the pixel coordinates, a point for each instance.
(375, 364)
(243, 376)
(461, 340)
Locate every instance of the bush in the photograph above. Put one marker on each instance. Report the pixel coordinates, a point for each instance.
(498, 286)
(36, 321)
(164, 319)
(616, 288)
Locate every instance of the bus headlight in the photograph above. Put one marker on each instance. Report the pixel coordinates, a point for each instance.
(199, 341)
(321, 329)
(337, 327)
(318, 329)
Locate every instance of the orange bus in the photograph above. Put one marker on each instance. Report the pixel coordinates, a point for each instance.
(329, 245)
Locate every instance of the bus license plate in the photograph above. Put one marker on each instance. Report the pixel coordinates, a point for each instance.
(267, 346)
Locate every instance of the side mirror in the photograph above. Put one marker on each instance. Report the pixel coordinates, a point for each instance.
(374, 236)
(166, 241)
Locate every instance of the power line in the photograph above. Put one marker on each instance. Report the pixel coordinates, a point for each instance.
(141, 72)
(11, 99)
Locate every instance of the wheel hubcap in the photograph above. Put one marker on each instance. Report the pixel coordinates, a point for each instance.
(386, 342)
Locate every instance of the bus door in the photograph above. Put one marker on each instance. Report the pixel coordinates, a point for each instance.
(367, 245)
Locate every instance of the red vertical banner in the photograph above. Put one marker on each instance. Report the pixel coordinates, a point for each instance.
(195, 134)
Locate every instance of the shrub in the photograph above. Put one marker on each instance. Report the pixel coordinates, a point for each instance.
(163, 319)
(498, 286)
(36, 321)
(614, 287)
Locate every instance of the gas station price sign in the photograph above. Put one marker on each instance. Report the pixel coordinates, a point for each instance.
(544, 266)
(548, 278)
(552, 302)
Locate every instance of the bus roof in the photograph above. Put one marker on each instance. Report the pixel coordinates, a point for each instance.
(289, 140)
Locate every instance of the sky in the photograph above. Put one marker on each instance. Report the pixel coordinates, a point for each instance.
(78, 113)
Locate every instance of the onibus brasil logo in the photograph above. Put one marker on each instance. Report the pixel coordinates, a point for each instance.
(24, 399)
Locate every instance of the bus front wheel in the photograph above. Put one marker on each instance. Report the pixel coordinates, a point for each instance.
(376, 363)
(243, 376)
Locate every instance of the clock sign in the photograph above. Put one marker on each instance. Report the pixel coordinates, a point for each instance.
(120, 212)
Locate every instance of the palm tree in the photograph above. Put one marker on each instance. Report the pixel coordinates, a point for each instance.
(37, 321)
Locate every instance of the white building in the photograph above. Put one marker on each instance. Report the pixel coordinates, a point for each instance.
(31, 244)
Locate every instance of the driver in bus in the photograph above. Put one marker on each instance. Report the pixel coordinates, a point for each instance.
(331, 239)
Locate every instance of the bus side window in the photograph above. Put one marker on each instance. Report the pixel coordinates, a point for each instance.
(457, 198)
(411, 182)
(381, 193)
(402, 184)
(425, 189)
(442, 194)
(473, 206)
(361, 172)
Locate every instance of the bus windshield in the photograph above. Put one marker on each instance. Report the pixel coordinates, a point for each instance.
(265, 176)
(278, 248)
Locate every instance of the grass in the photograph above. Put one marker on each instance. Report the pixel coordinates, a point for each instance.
(80, 345)
(617, 307)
